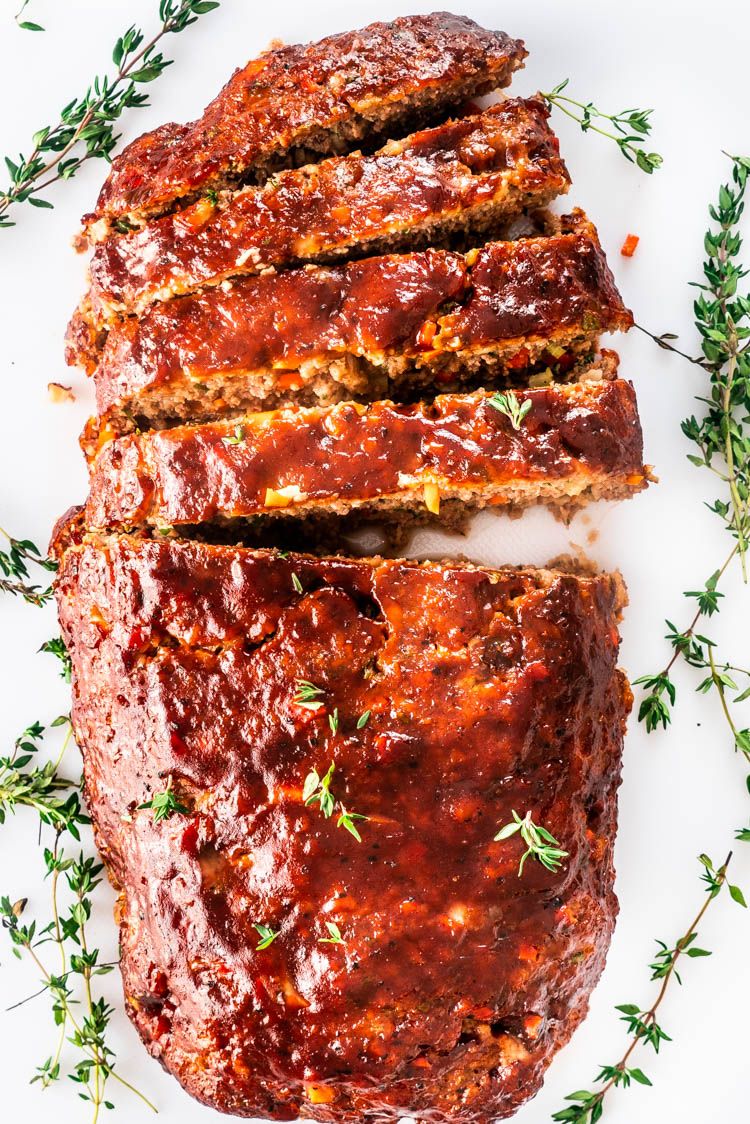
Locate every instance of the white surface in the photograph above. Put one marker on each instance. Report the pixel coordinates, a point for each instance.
(683, 792)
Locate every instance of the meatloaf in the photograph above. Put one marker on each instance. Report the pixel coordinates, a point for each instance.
(364, 329)
(461, 177)
(296, 101)
(575, 442)
(275, 960)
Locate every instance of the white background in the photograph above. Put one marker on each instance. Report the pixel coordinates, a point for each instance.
(683, 791)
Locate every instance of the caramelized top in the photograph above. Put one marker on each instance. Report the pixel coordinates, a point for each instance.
(449, 697)
(300, 459)
(396, 305)
(319, 97)
(432, 182)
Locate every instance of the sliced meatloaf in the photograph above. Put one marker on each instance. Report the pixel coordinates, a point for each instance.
(575, 442)
(297, 101)
(368, 329)
(461, 177)
(406, 967)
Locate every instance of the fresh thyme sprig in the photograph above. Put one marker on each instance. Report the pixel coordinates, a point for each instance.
(86, 127)
(507, 403)
(266, 934)
(237, 438)
(165, 804)
(587, 1105)
(539, 842)
(630, 125)
(14, 570)
(317, 790)
(722, 436)
(54, 798)
(95, 1065)
(57, 803)
(307, 694)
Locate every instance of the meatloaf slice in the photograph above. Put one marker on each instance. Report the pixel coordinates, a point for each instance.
(409, 970)
(297, 101)
(463, 176)
(577, 442)
(368, 329)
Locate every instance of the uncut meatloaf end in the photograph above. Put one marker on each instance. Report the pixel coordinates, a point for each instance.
(380, 327)
(294, 102)
(576, 442)
(460, 695)
(458, 179)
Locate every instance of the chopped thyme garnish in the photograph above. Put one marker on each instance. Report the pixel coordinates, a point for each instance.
(165, 803)
(346, 819)
(297, 584)
(363, 719)
(334, 934)
(307, 695)
(333, 721)
(507, 403)
(267, 936)
(317, 791)
(540, 843)
(237, 438)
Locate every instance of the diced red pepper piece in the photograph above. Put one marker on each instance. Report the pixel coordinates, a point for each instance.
(629, 245)
(520, 359)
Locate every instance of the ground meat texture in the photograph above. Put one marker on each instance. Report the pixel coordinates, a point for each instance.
(485, 691)
(367, 329)
(297, 101)
(457, 179)
(577, 442)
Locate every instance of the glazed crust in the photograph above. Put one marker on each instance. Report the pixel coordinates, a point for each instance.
(462, 176)
(577, 441)
(322, 98)
(486, 691)
(351, 330)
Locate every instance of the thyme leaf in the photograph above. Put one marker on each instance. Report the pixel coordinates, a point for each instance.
(334, 934)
